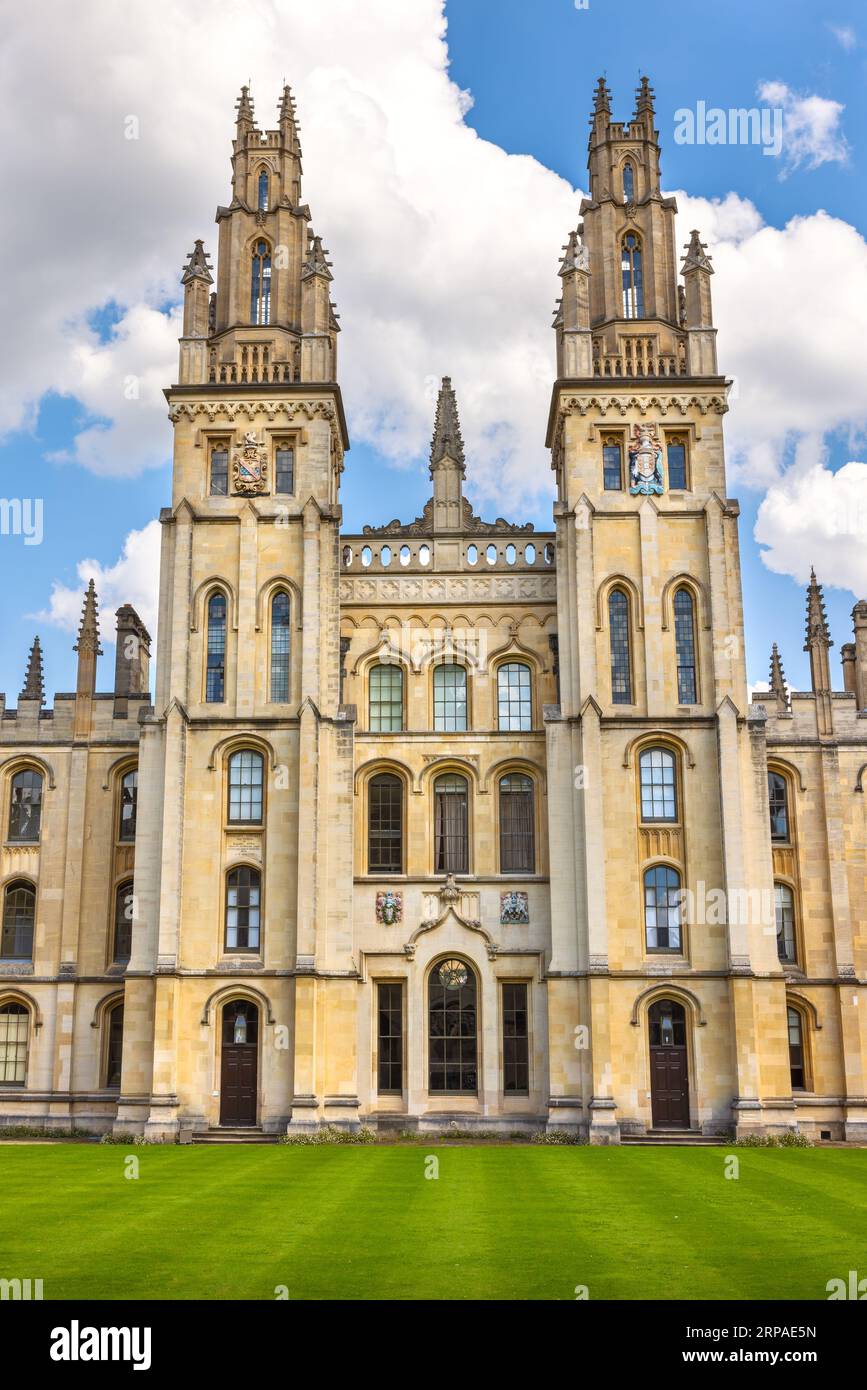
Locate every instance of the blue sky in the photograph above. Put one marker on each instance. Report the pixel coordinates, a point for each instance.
(530, 70)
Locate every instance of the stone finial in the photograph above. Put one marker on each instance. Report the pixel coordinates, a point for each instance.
(778, 687)
(818, 633)
(575, 255)
(447, 441)
(244, 109)
(88, 628)
(198, 265)
(644, 97)
(34, 683)
(317, 262)
(695, 258)
(602, 98)
(288, 115)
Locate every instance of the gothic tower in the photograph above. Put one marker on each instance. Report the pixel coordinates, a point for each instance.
(246, 763)
(652, 760)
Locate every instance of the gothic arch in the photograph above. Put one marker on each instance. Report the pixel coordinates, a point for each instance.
(10, 994)
(678, 993)
(790, 770)
(374, 766)
(216, 583)
(796, 1000)
(226, 993)
(663, 739)
(18, 762)
(516, 764)
(636, 606)
(105, 1005)
(267, 592)
(699, 596)
(859, 780)
(233, 743)
(450, 762)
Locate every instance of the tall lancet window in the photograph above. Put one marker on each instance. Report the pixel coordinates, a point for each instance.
(684, 640)
(633, 280)
(215, 684)
(260, 286)
(618, 623)
(262, 199)
(628, 182)
(280, 646)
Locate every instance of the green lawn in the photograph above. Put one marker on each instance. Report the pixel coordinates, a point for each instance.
(364, 1222)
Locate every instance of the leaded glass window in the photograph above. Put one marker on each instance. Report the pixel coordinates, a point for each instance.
(450, 698)
(618, 624)
(779, 806)
(662, 908)
(386, 698)
(25, 807)
(390, 1038)
(516, 1040)
(517, 829)
(245, 786)
(281, 635)
(242, 909)
(514, 697)
(658, 785)
(215, 684)
(385, 824)
(19, 915)
(633, 279)
(784, 902)
(451, 825)
(684, 640)
(452, 1029)
(14, 1028)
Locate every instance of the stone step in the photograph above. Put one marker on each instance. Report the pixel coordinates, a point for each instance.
(234, 1136)
(681, 1137)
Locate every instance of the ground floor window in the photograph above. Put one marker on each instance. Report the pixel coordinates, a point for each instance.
(114, 1048)
(452, 1029)
(390, 1038)
(516, 1041)
(796, 1050)
(14, 1021)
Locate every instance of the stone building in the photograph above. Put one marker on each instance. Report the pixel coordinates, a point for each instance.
(448, 821)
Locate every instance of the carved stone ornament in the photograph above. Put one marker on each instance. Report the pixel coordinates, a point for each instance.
(645, 461)
(389, 908)
(250, 466)
(514, 909)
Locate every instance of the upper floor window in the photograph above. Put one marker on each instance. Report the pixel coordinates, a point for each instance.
(262, 191)
(514, 697)
(633, 280)
(124, 908)
(684, 641)
(128, 805)
(386, 698)
(280, 647)
(220, 471)
(778, 798)
(628, 182)
(260, 284)
(19, 915)
(25, 807)
(450, 697)
(243, 893)
(245, 786)
(676, 450)
(517, 825)
(662, 903)
(385, 824)
(657, 774)
(785, 911)
(612, 464)
(284, 469)
(618, 625)
(215, 685)
(451, 825)
(14, 1027)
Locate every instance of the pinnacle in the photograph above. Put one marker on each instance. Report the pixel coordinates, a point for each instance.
(818, 632)
(244, 108)
(644, 97)
(198, 265)
(778, 679)
(88, 629)
(695, 258)
(447, 441)
(602, 97)
(34, 684)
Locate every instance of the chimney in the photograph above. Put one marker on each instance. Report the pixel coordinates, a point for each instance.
(859, 618)
(132, 658)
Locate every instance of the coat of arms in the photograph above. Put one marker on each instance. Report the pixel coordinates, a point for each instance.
(389, 908)
(249, 466)
(645, 461)
(514, 909)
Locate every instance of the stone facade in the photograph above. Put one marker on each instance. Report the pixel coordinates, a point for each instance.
(448, 821)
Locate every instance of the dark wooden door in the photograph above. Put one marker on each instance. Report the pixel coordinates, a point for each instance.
(669, 1071)
(238, 1072)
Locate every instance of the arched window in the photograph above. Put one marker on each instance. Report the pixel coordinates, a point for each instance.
(385, 824)
(220, 471)
(514, 697)
(25, 807)
(215, 686)
(797, 1059)
(19, 915)
(242, 909)
(260, 284)
(633, 281)
(784, 902)
(128, 804)
(14, 1028)
(450, 697)
(662, 907)
(676, 450)
(262, 191)
(240, 1024)
(778, 798)
(612, 463)
(452, 1029)
(657, 775)
(684, 641)
(124, 906)
(385, 690)
(245, 786)
(517, 825)
(618, 626)
(628, 182)
(280, 647)
(451, 825)
(114, 1046)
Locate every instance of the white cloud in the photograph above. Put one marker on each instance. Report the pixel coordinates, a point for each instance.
(812, 134)
(133, 578)
(845, 36)
(813, 516)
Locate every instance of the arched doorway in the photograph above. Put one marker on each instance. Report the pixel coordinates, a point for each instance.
(239, 1064)
(669, 1066)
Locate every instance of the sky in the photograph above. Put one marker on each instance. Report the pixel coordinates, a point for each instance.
(444, 163)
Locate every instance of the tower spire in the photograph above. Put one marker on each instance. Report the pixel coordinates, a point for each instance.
(817, 644)
(778, 687)
(447, 466)
(34, 683)
(244, 117)
(288, 119)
